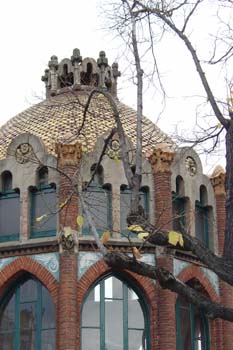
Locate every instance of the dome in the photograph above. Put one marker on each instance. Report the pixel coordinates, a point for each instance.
(61, 113)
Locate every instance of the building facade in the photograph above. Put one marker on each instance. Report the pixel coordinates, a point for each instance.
(56, 292)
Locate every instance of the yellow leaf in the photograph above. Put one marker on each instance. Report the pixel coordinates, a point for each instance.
(136, 253)
(67, 231)
(41, 217)
(135, 228)
(105, 237)
(117, 161)
(219, 125)
(80, 220)
(181, 241)
(175, 237)
(63, 203)
(143, 235)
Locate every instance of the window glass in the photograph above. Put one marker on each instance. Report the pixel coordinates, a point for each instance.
(191, 326)
(178, 213)
(27, 318)
(9, 216)
(125, 201)
(98, 201)
(113, 315)
(202, 224)
(44, 206)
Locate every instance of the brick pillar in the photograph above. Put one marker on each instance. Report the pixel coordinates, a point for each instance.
(161, 160)
(226, 292)
(68, 162)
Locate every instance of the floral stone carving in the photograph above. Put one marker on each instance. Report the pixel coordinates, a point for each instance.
(191, 166)
(23, 153)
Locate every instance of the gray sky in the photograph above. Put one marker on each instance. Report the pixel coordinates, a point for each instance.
(32, 31)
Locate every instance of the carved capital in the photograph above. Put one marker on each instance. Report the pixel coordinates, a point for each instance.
(69, 154)
(218, 180)
(68, 240)
(161, 159)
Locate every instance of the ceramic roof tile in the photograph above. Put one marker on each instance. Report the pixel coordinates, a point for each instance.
(56, 117)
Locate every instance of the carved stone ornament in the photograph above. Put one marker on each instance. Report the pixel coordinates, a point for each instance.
(191, 166)
(69, 154)
(68, 239)
(113, 149)
(161, 159)
(218, 180)
(23, 153)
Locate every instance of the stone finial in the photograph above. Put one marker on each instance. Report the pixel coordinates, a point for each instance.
(218, 180)
(102, 63)
(76, 57)
(161, 158)
(116, 74)
(102, 60)
(45, 77)
(53, 63)
(69, 154)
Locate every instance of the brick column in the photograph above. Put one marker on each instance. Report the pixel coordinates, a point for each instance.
(161, 160)
(68, 162)
(226, 292)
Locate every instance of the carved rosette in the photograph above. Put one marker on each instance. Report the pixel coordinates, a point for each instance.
(24, 153)
(113, 149)
(69, 154)
(161, 159)
(191, 166)
(218, 180)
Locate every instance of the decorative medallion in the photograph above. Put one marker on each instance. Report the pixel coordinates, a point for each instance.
(191, 166)
(23, 153)
(113, 149)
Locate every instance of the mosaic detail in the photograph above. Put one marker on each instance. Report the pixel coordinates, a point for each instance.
(213, 278)
(87, 259)
(191, 166)
(5, 261)
(50, 261)
(113, 149)
(23, 153)
(179, 265)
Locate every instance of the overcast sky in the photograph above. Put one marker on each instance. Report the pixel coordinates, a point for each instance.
(32, 31)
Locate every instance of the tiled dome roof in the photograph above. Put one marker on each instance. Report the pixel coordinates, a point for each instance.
(61, 115)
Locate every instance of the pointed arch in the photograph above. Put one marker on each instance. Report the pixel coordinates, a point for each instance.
(18, 267)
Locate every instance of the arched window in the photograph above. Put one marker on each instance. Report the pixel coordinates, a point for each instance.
(98, 200)
(125, 201)
(179, 206)
(202, 217)
(43, 207)
(9, 209)
(114, 317)
(192, 331)
(27, 317)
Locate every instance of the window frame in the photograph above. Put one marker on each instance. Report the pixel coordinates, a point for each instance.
(11, 194)
(145, 191)
(206, 334)
(94, 187)
(126, 284)
(37, 192)
(177, 199)
(17, 303)
(204, 211)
